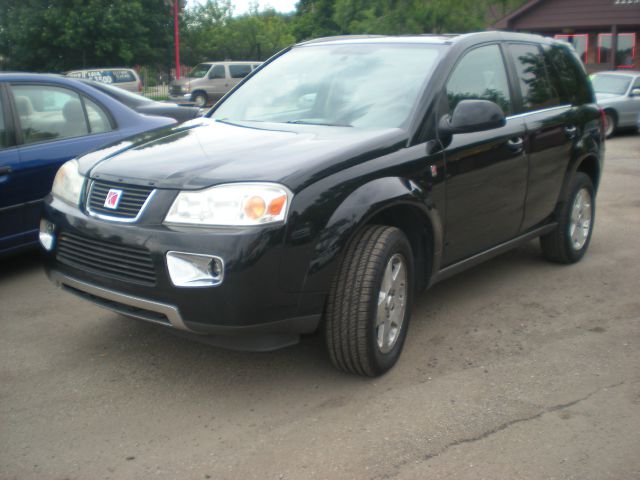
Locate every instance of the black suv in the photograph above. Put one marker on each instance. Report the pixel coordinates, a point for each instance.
(333, 184)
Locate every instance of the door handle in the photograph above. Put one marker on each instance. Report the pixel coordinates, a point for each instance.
(4, 170)
(571, 130)
(515, 144)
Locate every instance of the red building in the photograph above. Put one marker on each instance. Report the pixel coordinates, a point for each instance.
(596, 28)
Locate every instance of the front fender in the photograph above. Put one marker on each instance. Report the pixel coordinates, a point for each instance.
(353, 213)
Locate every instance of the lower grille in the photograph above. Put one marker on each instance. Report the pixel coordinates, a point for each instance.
(131, 264)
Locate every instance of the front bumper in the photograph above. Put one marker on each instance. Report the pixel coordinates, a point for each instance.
(249, 302)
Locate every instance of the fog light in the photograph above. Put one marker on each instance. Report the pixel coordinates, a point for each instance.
(47, 235)
(194, 269)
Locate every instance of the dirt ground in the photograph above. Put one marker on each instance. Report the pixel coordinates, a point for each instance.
(517, 369)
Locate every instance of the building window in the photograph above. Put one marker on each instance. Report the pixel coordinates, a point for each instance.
(625, 53)
(579, 42)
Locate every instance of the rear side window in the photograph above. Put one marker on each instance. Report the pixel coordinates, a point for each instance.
(48, 113)
(239, 71)
(4, 140)
(480, 75)
(567, 76)
(98, 119)
(537, 91)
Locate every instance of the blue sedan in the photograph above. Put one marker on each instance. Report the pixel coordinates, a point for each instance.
(45, 121)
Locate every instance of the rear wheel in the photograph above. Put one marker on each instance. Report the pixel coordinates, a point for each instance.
(569, 242)
(369, 302)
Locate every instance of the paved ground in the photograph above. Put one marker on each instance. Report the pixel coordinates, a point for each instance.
(518, 369)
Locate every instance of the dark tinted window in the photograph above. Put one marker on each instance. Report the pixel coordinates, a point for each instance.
(537, 92)
(217, 72)
(239, 71)
(480, 75)
(567, 76)
(4, 135)
(48, 113)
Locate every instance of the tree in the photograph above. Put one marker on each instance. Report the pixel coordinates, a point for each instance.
(54, 35)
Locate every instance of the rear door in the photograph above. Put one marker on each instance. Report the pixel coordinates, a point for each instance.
(11, 210)
(551, 129)
(486, 171)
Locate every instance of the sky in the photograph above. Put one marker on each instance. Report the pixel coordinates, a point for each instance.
(242, 6)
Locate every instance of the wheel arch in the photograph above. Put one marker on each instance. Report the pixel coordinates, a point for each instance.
(392, 201)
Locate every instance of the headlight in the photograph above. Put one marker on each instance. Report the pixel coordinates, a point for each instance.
(67, 185)
(232, 204)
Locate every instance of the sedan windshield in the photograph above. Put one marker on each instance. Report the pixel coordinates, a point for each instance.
(352, 85)
(199, 70)
(615, 84)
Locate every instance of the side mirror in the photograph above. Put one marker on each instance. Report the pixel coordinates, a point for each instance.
(635, 92)
(472, 116)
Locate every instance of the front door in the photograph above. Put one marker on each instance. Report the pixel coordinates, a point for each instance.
(486, 171)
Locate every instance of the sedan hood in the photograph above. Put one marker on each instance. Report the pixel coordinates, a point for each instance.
(205, 152)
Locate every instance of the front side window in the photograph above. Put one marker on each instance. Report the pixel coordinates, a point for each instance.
(360, 85)
(239, 71)
(625, 52)
(199, 70)
(48, 113)
(536, 90)
(480, 75)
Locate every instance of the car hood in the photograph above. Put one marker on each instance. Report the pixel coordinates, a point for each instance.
(205, 152)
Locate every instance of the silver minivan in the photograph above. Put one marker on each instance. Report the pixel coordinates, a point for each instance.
(209, 81)
(125, 78)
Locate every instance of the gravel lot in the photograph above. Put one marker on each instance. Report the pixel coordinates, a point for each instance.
(517, 369)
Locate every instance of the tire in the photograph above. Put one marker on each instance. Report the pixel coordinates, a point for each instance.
(610, 123)
(357, 341)
(569, 241)
(200, 99)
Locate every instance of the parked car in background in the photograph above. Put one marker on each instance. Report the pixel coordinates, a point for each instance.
(125, 78)
(146, 106)
(44, 122)
(618, 93)
(331, 187)
(208, 82)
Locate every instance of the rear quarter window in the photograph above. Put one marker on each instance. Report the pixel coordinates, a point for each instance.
(568, 76)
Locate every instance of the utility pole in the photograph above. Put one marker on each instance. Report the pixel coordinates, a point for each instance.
(176, 34)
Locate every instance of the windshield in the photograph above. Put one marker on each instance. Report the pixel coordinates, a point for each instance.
(199, 70)
(616, 84)
(354, 85)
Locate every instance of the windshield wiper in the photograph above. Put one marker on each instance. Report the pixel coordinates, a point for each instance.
(305, 122)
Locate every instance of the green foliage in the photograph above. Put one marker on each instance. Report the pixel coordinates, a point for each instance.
(56, 35)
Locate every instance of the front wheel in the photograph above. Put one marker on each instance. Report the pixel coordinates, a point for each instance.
(609, 124)
(369, 302)
(200, 99)
(569, 241)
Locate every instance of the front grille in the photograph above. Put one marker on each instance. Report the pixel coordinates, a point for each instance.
(131, 200)
(176, 90)
(131, 264)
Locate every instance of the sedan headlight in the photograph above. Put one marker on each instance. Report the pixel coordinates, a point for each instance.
(67, 184)
(231, 204)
